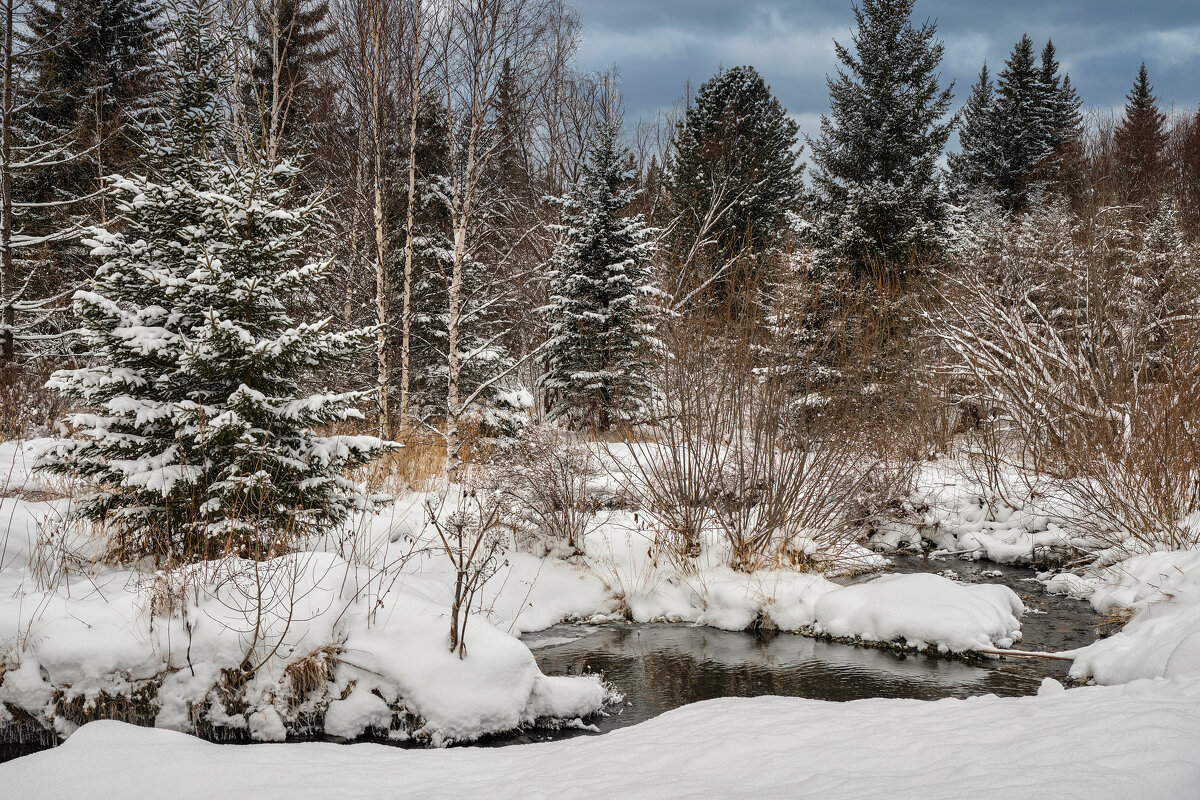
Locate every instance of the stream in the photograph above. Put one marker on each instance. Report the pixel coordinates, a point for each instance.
(659, 667)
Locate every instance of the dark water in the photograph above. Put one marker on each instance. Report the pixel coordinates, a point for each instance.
(661, 667)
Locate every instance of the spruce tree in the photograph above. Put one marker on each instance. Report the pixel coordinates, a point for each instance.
(202, 441)
(291, 39)
(974, 166)
(1015, 136)
(1062, 115)
(1022, 111)
(601, 330)
(1140, 139)
(93, 66)
(878, 190)
(733, 177)
(1189, 168)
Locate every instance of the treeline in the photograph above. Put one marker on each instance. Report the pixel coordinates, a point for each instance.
(509, 246)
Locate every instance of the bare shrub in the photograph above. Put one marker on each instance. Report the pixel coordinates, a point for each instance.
(25, 402)
(543, 481)
(733, 457)
(1080, 333)
(467, 521)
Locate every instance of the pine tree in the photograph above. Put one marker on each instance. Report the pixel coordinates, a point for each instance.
(1062, 117)
(878, 191)
(1022, 110)
(202, 440)
(94, 69)
(601, 330)
(733, 176)
(974, 166)
(1140, 139)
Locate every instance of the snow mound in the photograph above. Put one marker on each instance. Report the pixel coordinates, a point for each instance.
(923, 610)
(381, 663)
(1162, 639)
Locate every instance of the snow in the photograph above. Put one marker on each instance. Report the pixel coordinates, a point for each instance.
(1162, 638)
(376, 593)
(105, 636)
(1103, 743)
(1024, 522)
(924, 609)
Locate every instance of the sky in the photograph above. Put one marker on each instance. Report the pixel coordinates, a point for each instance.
(659, 45)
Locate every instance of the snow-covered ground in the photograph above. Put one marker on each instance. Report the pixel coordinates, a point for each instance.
(352, 640)
(1125, 743)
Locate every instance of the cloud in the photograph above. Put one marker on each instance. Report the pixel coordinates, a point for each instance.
(662, 44)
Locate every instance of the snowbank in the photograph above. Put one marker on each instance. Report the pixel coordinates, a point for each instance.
(954, 514)
(1162, 638)
(1107, 743)
(923, 610)
(325, 651)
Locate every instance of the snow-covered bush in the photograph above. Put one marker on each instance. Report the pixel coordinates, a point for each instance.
(1078, 331)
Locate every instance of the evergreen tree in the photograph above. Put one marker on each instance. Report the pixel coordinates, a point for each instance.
(601, 331)
(878, 191)
(291, 39)
(30, 153)
(93, 65)
(974, 166)
(1141, 138)
(733, 177)
(202, 440)
(1016, 135)
(1022, 112)
(1189, 168)
(1062, 116)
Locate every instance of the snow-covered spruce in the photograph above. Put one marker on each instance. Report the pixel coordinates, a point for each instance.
(202, 434)
(601, 309)
(1011, 128)
(878, 192)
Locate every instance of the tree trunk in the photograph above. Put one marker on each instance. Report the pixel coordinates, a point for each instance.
(406, 316)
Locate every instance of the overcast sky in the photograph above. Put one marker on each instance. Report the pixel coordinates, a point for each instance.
(660, 44)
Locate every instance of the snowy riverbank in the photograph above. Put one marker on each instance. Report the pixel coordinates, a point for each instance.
(1101, 743)
(348, 638)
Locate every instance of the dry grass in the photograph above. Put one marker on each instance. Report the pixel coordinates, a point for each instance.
(412, 467)
(308, 674)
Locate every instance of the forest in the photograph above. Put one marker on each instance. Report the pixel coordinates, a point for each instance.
(366, 370)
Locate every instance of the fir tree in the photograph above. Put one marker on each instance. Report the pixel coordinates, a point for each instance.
(1141, 138)
(1022, 112)
(974, 166)
(733, 177)
(601, 331)
(202, 439)
(878, 191)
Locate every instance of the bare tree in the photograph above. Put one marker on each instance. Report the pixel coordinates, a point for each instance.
(477, 38)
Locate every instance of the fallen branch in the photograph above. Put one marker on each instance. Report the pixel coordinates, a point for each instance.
(1066, 655)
